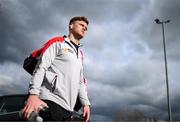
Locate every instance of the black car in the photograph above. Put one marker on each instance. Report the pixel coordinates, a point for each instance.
(11, 106)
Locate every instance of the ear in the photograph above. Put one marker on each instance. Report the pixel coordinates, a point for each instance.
(71, 26)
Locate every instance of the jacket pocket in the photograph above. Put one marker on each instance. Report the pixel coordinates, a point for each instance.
(51, 79)
(60, 85)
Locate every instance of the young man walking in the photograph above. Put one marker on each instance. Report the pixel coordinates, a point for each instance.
(58, 78)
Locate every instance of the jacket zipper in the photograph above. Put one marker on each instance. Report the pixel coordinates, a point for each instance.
(73, 48)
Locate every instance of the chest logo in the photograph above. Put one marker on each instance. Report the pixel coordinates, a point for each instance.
(66, 50)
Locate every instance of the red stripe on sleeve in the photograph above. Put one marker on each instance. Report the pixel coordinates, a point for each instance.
(37, 53)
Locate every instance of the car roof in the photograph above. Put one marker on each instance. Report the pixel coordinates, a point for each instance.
(14, 95)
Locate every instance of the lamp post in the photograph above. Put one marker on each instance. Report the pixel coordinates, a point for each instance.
(166, 69)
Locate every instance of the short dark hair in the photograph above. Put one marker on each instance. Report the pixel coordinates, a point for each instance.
(79, 18)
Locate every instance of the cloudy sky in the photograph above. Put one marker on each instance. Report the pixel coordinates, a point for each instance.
(123, 50)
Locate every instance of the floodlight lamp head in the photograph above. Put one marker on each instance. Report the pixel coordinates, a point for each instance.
(167, 21)
(157, 21)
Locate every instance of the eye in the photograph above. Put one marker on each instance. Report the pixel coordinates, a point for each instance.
(84, 27)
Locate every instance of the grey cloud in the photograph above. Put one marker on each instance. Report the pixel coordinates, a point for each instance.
(13, 79)
(12, 36)
(131, 100)
(133, 77)
(24, 22)
(141, 83)
(23, 25)
(132, 74)
(152, 33)
(12, 89)
(96, 10)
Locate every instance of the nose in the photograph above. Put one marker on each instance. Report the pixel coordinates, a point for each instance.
(84, 28)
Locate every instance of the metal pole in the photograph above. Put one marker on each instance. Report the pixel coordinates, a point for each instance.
(166, 71)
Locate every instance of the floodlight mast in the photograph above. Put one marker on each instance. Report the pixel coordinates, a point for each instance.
(166, 69)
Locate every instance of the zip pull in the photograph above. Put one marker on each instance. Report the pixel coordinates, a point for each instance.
(77, 53)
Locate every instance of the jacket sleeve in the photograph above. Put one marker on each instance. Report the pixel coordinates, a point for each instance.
(44, 63)
(83, 91)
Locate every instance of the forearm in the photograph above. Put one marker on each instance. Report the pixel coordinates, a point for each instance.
(36, 81)
(83, 94)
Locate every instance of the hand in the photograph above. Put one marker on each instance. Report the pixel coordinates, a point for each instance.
(33, 104)
(86, 113)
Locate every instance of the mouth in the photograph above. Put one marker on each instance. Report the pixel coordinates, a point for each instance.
(83, 31)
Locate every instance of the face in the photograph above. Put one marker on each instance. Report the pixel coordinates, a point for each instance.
(79, 29)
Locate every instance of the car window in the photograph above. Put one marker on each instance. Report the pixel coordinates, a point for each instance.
(10, 104)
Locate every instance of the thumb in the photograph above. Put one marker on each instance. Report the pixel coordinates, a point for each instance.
(43, 104)
(84, 113)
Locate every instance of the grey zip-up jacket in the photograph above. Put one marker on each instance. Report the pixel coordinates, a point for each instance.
(58, 75)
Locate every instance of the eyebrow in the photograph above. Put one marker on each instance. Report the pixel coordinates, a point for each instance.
(84, 26)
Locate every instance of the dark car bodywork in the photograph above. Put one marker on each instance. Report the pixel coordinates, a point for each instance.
(11, 106)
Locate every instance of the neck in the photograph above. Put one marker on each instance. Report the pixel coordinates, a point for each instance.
(74, 39)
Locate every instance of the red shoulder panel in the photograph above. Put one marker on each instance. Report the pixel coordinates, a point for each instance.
(37, 53)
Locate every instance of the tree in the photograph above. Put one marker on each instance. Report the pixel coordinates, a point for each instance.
(132, 115)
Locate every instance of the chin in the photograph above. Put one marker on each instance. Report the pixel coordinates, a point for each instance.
(80, 36)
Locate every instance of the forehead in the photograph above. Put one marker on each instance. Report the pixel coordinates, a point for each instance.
(80, 22)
